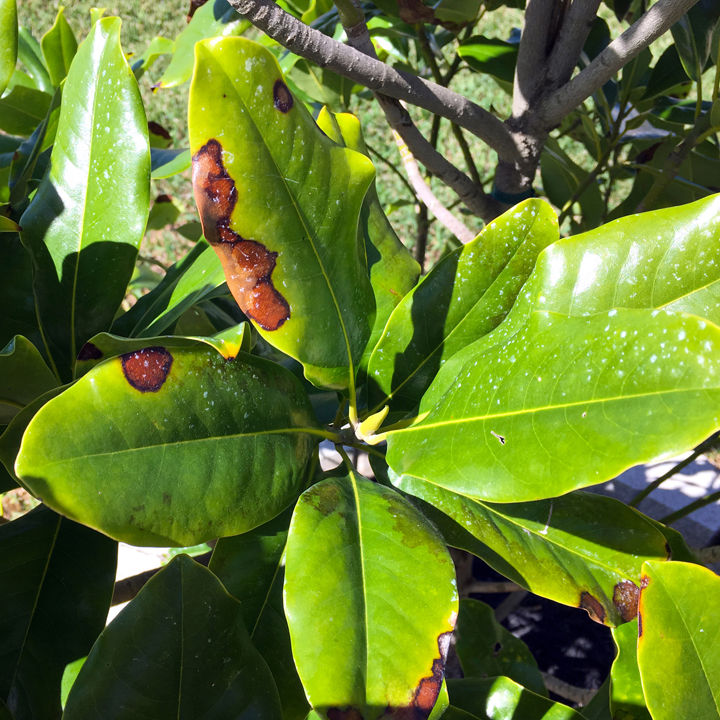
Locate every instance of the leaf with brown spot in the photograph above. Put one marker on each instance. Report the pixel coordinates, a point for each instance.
(386, 595)
(280, 203)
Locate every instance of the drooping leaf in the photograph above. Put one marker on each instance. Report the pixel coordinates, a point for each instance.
(466, 295)
(86, 221)
(652, 260)
(23, 376)
(370, 621)
(187, 282)
(626, 694)
(280, 204)
(56, 579)
(9, 41)
(487, 649)
(58, 48)
(568, 402)
(250, 567)
(154, 447)
(501, 698)
(393, 270)
(178, 650)
(104, 345)
(582, 549)
(679, 627)
(215, 18)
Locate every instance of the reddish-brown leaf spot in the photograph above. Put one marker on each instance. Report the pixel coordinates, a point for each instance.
(639, 624)
(147, 369)
(625, 598)
(247, 264)
(163, 199)
(282, 97)
(89, 352)
(194, 5)
(593, 607)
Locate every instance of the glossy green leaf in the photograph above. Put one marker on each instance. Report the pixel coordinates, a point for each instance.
(568, 402)
(168, 162)
(216, 18)
(370, 621)
(319, 85)
(105, 345)
(163, 442)
(251, 567)
(280, 202)
(86, 221)
(23, 376)
(158, 47)
(8, 41)
(30, 55)
(393, 270)
(491, 56)
(59, 47)
(72, 670)
(581, 549)
(188, 281)
(678, 639)
(487, 649)
(693, 34)
(466, 295)
(56, 579)
(500, 698)
(626, 694)
(457, 11)
(23, 109)
(179, 650)
(668, 75)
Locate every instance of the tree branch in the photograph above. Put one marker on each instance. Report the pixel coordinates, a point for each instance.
(376, 75)
(570, 40)
(650, 26)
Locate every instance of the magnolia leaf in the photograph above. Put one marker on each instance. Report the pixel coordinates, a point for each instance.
(85, 223)
(155, 446)
(58, 48)
(582, 549)
(568, 402)
(9, 44)
(280, 202)
(197, 662)
(678, 633)
(466, 295)
(386, 596)
(56, 579)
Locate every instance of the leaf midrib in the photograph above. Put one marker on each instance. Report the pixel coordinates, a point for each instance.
(549, 408)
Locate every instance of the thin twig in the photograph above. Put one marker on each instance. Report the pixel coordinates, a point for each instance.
(691, 508)
(376, 75)
(648, 28)
(576, 695)
(489, 588)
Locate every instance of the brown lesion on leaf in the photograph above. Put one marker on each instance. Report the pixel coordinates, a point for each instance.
(147, 369)
(428, 689)
(248, 265)
(593, 607)
(625, 598)
(282, 97)
(640, 629)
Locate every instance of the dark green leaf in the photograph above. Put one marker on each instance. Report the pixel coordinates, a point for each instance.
(56, 579)
(58, 48)
(371, 620)
(23, 376)
(162, 442)
(693, 36)
(487, 649)
(178, 651)
(678, 640)
(86, 221)
(668, 77)
(491, 56)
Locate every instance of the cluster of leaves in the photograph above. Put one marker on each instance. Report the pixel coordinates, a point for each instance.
(521, 369)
